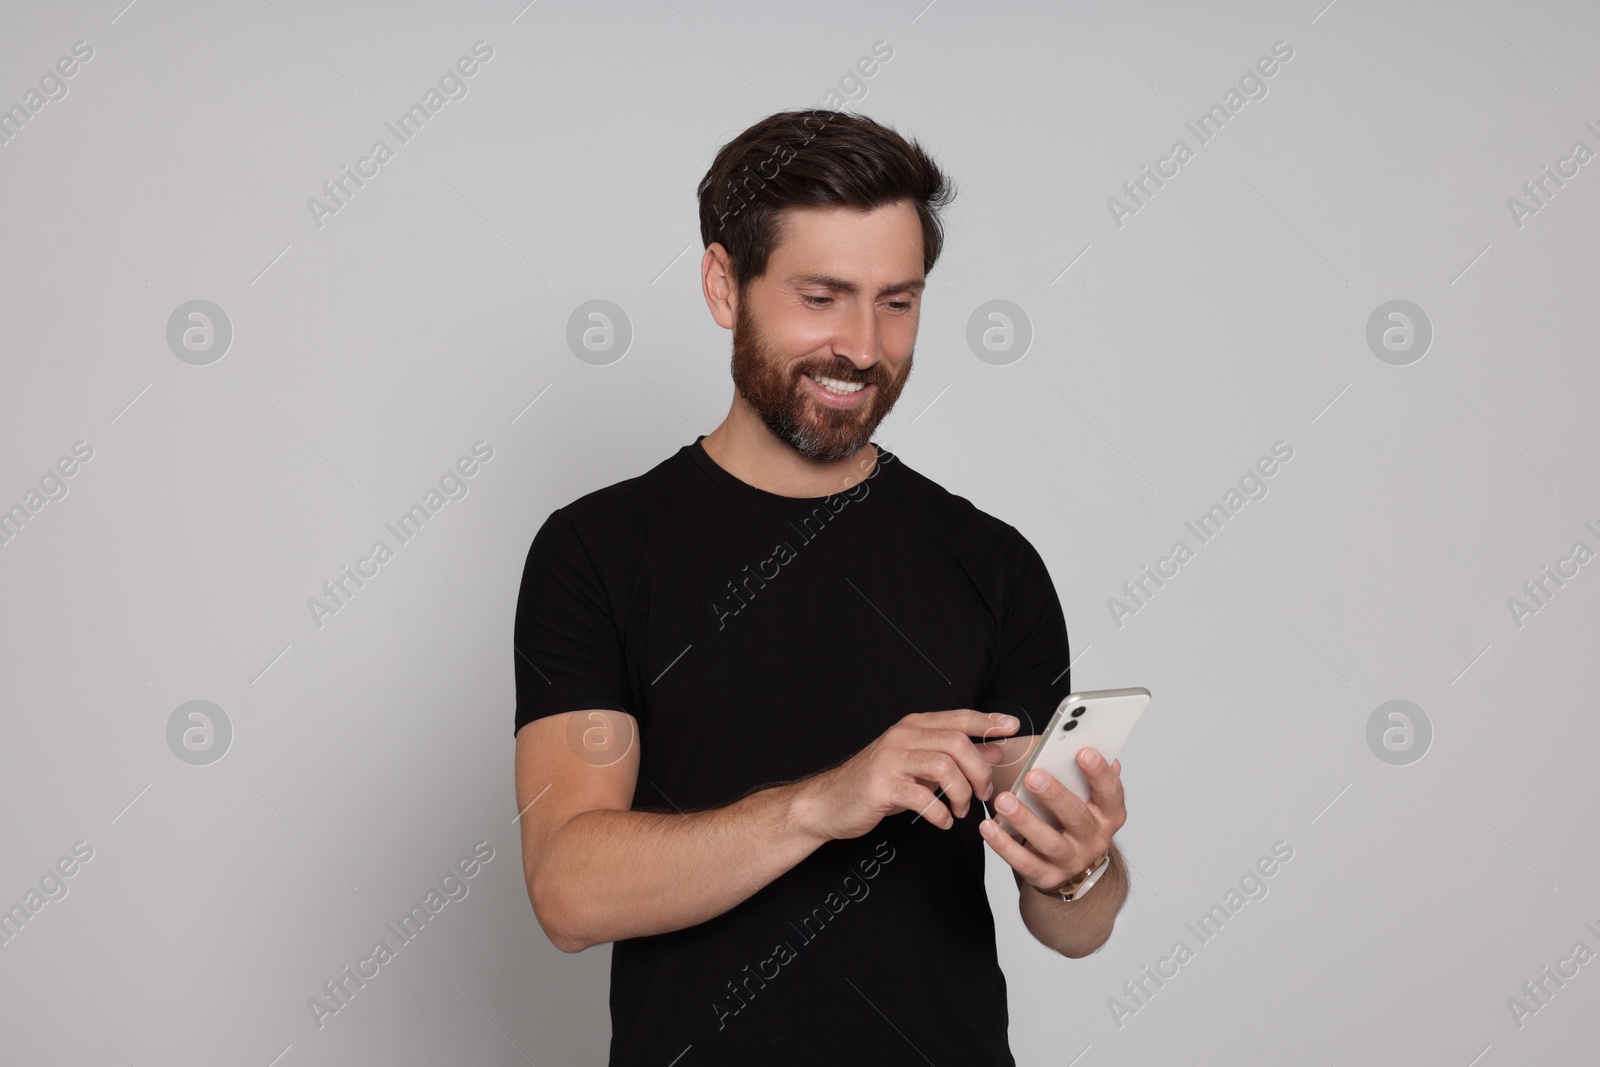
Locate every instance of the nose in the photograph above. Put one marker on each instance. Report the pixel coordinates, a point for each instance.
(858, 341)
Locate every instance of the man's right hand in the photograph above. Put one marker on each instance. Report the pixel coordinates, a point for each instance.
(901, 768)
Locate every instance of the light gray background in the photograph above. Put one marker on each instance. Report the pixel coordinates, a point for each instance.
(369, 353)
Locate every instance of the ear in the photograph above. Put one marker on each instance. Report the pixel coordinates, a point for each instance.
(716, 281)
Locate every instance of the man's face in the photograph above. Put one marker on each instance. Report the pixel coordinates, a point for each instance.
(839, 300)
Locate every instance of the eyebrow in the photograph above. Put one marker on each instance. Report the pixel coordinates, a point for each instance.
(827, 281)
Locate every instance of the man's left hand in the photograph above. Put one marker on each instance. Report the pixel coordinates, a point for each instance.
(1047, 857)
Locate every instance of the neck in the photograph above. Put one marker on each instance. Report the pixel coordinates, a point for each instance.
(744, 447)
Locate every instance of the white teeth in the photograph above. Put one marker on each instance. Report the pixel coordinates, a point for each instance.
(834, 385)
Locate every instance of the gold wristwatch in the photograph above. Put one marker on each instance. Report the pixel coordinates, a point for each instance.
(1073, 888)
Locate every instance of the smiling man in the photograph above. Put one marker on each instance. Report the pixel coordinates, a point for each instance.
(762, 686)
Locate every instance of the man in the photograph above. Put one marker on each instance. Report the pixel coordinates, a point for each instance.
(749, 680)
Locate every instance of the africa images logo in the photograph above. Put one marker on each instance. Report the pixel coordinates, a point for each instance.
(851, 888)
(725, 607)
(453, 85)
(339, 991)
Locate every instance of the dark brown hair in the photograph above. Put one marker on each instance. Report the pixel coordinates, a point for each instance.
(814, 157)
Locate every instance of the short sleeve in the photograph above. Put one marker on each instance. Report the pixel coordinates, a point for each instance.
(1032, 675)
(566, 645)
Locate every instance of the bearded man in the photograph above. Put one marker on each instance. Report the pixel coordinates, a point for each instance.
(763, 687)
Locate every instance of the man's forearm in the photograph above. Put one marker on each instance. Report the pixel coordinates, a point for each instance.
(609, 874)
(1077, 927)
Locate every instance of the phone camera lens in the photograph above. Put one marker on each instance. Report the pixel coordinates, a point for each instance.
(1078, 711)
(1068, 725)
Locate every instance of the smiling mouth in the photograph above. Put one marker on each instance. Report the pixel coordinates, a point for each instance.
(837, 386)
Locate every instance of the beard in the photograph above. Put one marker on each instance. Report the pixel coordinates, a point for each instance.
(783, 402)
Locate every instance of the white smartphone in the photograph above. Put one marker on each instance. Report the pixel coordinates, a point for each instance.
(1101, 720)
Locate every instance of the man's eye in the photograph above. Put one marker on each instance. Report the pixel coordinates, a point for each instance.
(900, 305)
(817, 301)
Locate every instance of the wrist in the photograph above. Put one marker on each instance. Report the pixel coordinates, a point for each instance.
(1075, 887)
(802, 812)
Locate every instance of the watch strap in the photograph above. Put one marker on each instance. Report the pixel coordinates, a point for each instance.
(1075, 887)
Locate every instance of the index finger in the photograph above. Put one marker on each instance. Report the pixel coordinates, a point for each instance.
(948, 732)
(970, 722)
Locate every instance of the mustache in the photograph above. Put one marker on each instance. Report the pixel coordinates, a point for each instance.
(846, 372)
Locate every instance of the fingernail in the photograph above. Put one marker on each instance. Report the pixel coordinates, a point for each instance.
(1036, 779)
(1090, 758)
(987, 828)
(1006, 803)
(1005, 722)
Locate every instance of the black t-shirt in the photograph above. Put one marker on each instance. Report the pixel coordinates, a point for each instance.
(758, 639)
